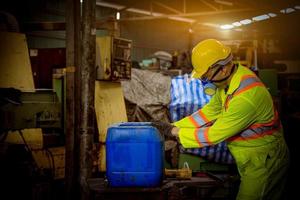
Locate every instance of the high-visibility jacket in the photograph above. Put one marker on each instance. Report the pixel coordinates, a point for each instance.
(243, 115)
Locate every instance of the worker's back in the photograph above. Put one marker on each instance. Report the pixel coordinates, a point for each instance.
(260, 151)
(263, 123)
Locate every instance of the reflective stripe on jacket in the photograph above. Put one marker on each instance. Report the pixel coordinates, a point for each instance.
(242, 115)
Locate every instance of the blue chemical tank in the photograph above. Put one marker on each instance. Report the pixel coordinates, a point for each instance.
(134, 155)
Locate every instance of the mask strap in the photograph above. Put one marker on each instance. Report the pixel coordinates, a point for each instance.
(223, 79)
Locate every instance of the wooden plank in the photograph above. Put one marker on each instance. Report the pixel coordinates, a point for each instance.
(109, 106)
(15, 68)
(103, 57)
(110, 109)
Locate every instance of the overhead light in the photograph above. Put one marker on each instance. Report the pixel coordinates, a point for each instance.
(226, 26)
(287, 10)
(81, 1)
(260, 17)
(246, 21)
(118, 15)
(272, 14)
(236, 24)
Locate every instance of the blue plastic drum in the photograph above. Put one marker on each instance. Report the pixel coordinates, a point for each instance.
(134, 155)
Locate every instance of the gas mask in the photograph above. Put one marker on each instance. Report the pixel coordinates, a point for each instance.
(208, 84)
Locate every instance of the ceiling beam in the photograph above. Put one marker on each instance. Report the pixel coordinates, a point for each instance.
(222, 2)
(209, 5)
(187, 14)
(167, 7)
(141, 11)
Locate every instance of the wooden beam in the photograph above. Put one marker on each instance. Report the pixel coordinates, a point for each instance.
(87, 86)
(72, 27)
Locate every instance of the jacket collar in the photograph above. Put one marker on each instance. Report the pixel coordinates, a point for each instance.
(237, 78)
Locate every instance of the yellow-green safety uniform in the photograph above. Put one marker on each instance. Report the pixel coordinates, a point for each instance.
(243, 115)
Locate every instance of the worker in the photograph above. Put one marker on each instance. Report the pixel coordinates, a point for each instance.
(241, 112)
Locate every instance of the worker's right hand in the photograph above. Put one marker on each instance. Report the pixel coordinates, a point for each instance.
(164, 128)
(175, 132)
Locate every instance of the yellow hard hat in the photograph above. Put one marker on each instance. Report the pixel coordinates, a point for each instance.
(207, 53)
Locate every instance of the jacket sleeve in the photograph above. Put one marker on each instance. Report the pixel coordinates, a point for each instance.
(240, 115)
(203, 116)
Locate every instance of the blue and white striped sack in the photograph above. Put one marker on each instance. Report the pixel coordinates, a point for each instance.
(187, 98)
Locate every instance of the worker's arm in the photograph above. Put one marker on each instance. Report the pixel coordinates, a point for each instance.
(239, 116)
(203, 116)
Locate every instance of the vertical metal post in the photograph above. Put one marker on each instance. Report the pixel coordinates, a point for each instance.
(72, 63)
(255, 45)
(87, 86)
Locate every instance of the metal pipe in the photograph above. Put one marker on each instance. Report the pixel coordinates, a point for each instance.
(87, 86)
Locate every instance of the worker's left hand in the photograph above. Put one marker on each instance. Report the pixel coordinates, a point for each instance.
(164, 128)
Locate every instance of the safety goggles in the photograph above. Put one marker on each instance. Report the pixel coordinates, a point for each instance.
(215, 69)
(211, 73)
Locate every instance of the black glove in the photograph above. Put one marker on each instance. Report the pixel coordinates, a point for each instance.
(164, 128)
